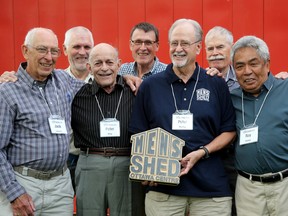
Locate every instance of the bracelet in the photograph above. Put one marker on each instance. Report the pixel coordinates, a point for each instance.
(206, 152)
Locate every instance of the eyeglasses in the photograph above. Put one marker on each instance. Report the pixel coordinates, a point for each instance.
(183, 44)
(147, 43)
(42, 50)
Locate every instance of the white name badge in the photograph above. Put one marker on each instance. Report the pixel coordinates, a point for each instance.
(182, 121)
(110, 128)
(249, 135)
(57, 125)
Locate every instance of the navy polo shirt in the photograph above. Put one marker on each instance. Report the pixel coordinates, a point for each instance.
(213, 113)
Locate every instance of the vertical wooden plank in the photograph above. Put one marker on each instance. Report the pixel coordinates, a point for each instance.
(276, 33)
(104, 21)
(216, 13)
(190, 9)
(24, 20)
(247, 18)
(7, 37)
(49, 17)
(160, 13)
(130, 12)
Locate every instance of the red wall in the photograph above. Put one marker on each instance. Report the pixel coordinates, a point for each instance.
(111, 21)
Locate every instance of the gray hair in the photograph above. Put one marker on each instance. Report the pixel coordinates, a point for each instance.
(254, 42)
(195, 24)
(76, 29)
(31, 34)
(218, 30)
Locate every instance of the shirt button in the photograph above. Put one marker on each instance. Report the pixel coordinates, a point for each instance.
(185, 99)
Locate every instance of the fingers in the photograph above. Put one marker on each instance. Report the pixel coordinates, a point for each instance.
(213, 71)
(150, 183)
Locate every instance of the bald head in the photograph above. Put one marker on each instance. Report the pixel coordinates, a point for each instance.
(104, 64)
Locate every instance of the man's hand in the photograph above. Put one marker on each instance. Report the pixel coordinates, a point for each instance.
(23, 206)
(213, 71)
(190, 160)
(133, 82)
(150, 183)
(8, 76)
(282, 75)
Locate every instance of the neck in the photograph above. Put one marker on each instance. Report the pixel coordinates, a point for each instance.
(80, 75)
(184, 73)
(143, 69)
(225, 70)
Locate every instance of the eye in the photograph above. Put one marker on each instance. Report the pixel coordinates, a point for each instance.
(42, 49)
(98, 64)
(148, 43)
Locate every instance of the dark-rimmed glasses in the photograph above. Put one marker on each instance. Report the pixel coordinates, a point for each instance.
(147, 43)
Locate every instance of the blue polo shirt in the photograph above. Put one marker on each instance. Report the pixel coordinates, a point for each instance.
(270, 153)
(213, 113)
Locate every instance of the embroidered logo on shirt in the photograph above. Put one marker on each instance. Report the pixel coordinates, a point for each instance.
(203, 94)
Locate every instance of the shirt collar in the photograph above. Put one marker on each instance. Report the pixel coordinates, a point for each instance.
(24, 75)
(172, 77)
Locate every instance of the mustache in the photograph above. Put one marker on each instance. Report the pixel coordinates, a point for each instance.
(218, 57)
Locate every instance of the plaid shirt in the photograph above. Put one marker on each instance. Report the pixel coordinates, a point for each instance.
(131, 68)
(26, 138)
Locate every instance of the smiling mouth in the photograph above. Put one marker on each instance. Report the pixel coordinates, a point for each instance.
(45, 65)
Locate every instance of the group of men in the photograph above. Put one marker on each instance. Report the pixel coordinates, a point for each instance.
(37, 122)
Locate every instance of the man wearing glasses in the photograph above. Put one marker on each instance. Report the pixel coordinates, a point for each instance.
(197, 108)
(144, 44)
(35, 115)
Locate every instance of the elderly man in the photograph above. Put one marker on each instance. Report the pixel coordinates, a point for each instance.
(185, 90)
(218, 43)
(100, 116)
(77, 45)
(262, 116)
(35, 123)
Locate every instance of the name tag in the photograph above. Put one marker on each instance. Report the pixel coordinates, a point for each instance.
(110, 128)
(182, 121)
(249, 135)
(57, 125)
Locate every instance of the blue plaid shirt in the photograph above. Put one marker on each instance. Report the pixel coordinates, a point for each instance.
(131, 68)
(25, 137)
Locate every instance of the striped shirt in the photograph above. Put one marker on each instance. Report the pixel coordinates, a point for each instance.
(86, 115)
(26, 138)
(131, 68)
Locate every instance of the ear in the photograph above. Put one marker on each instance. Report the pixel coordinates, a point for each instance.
(65, 50)
(198, 47)
(267, 66)
(88, 66)
(119, 62)
(25, 51)
(130, 45)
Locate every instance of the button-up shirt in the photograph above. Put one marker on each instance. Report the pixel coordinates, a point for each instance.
(26, 138)
(131, 68)
(270, 152)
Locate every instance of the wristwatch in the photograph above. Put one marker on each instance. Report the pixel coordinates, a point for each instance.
(206, 152)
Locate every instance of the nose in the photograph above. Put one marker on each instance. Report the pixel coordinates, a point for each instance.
(247, 70)
(82, 50)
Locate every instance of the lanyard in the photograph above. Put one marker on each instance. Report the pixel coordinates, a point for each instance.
(174, 98)
(116, 108)
(260, 109)
(44, 98)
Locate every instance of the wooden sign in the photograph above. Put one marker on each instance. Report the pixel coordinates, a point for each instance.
(155, 156)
